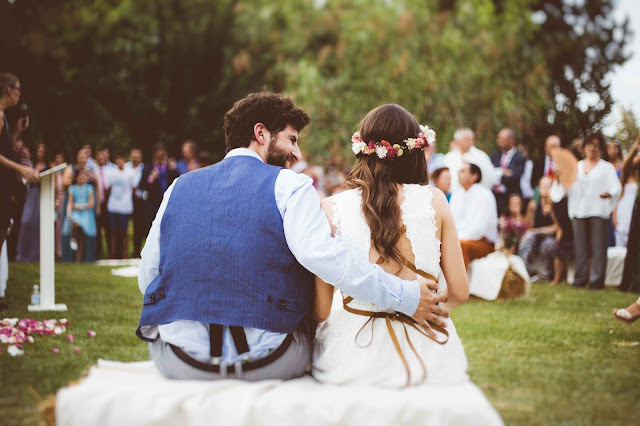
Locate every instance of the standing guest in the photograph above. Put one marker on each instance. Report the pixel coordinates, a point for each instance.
(59, 202)
(623, 212)
(463, 149)
(120, 182)
(156, 178)
(592, 198)
(103, 166)
(628, 315)
(474, 213)
(189, 157)
(544, 166)
(442, 181)
(539, 243)
(22, 155)
(526, 189)
(136, 165)
(508, 163)
(435, 159)
(564, 252)
(29, 240)
(91, 163)
(614, 152)
(69, 177)
(80, 213)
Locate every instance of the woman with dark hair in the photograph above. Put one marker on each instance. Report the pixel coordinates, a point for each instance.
(29, 238)
(389, 215)
(442, 180)
(591, 199)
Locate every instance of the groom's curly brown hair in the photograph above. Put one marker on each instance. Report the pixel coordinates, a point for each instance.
(270, 109)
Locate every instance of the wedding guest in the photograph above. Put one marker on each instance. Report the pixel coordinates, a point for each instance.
(59, 202)
(120, 183)
(631, 273)
(623, 212)
(538, 245)
(474, 213)
(435, 159)
(442, 180)
(615, 154)
(508, 163)
(29, 239)
(526, 189)
(577, 148)
(135, 164)
(628, 315)
(69, 177)
(102, 168)
(564, 252)
(189, 158)
(463, 149)
(80, 213)
(512, 221)
(156, 178)
(591, 198)
(544, 166)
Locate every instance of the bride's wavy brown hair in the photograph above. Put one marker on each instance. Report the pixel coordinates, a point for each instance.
(378, 178)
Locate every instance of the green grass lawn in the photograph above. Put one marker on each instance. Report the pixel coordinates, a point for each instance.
(556, 357)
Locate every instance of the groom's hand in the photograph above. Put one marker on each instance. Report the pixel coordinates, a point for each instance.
(428, 309)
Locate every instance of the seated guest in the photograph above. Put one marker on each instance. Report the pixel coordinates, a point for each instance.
(539, 243)
(474, 211)
(442, 180)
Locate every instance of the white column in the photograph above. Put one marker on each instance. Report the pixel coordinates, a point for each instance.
(48, 243)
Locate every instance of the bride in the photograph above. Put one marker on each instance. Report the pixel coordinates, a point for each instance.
(392, 217)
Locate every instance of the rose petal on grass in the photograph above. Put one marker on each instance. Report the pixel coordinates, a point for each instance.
(55, 350)
(70, 338)
(13, 350)
(77, 350)
(91, 333)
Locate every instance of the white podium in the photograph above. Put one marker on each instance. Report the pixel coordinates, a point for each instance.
(48, 243)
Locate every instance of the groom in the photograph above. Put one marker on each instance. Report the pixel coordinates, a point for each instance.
(227, 269)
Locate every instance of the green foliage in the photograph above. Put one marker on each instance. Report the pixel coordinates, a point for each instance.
(132, 73)
(628, 129)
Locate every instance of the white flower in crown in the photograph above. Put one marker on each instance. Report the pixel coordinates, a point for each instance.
(358, 147)
(411, 143)
(381, 151)
(430, 134)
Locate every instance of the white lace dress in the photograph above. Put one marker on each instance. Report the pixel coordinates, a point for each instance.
(340, 359)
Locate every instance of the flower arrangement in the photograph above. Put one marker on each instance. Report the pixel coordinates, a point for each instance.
(385, 151)
(511, 231)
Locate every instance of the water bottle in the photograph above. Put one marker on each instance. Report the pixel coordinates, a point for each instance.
(35, 296)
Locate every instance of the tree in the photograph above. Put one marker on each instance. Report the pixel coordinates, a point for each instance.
(627, 130)
(581, 43)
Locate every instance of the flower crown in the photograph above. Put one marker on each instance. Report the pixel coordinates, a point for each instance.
(385, 151)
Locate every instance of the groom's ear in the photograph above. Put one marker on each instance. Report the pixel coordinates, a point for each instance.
(259, 133)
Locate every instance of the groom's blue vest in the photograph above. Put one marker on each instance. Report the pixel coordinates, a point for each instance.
(223, 255)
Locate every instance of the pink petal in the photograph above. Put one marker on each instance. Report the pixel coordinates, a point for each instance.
(55, 350)
(91, 333)
(76, 350)
(70, 338)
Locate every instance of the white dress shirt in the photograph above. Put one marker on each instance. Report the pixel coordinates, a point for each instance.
(584, 195)
(308, 235)
(475, 213)
(454, 159)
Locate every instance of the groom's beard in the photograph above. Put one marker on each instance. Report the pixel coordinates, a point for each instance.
(276, 156)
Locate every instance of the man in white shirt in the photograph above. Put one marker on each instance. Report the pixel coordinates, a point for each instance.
(463, 149)
(216, 302)
(474, 211)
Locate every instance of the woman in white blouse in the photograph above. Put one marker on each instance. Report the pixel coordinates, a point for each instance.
(592, 198)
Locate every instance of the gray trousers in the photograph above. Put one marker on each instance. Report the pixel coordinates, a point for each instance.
(293, 363)
(591, 240)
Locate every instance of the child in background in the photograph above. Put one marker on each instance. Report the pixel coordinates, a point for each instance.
(81, 214)
(121, 182)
